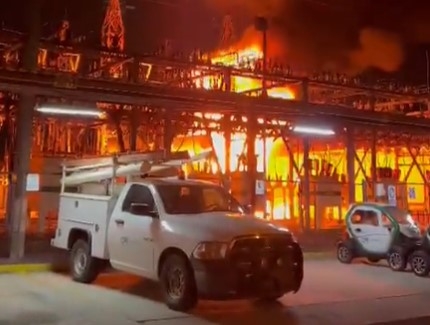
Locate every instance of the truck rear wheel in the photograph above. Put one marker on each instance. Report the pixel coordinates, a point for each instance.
(83, 266)
(177, 281)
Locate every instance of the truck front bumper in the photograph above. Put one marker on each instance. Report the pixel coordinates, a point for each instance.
(223, 279)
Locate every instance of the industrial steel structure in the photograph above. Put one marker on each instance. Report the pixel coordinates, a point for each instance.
(378, 140)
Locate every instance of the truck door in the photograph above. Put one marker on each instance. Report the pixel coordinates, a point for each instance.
(134, 231)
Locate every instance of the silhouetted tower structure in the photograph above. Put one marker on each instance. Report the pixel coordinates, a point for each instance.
(227, 32)
(113, 30)
(64, 32)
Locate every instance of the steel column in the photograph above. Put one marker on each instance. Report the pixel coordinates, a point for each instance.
(226, 126)
(305, 91)
(21, 167)
(251, 157)
(350, 164)
(25, 113)
(306, 183)
(168, 134)
(373, 165)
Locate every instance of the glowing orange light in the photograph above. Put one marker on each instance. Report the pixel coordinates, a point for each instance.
(237, 58)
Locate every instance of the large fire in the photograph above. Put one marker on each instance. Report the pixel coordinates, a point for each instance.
(245, 58)
(269, 162)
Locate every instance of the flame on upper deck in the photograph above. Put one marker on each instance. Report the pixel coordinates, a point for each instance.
(242, 58)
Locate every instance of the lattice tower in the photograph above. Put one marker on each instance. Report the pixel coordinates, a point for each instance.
(113, 31)
(227, 32)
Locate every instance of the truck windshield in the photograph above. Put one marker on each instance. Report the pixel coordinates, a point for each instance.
(403, 217)
(195, 199)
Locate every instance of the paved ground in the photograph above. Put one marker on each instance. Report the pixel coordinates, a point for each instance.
(332, 294)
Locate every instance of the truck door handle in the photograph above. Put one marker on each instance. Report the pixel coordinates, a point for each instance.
(119, 221)
(358, 230)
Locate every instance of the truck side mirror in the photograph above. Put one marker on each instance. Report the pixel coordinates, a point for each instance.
(141, 209)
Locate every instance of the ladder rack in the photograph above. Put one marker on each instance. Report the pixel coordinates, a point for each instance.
(89, 170)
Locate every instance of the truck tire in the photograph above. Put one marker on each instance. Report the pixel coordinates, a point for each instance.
(420, 263)
(397, 259)
(84, 268)
(178, 284)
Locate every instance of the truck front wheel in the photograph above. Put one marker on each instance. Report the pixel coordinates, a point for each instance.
(83, 266)
(177, 281)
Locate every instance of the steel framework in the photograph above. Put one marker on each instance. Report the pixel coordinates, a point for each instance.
(168, 94)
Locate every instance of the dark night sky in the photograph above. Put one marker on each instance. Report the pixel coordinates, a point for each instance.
(316, 31)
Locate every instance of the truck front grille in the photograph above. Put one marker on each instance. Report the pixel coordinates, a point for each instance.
(253, 254)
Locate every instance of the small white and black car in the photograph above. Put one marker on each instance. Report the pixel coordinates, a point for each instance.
(379, 231)
(420, 258)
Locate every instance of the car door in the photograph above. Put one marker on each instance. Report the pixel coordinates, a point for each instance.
(384, 235)
(136, 233)
(363, 224)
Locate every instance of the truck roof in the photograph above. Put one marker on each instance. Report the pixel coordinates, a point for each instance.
(173, 181)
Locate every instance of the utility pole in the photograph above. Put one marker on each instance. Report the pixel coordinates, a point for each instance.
(23, 146)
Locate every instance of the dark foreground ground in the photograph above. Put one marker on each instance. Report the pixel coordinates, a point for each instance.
(414, 321)
(332, 294)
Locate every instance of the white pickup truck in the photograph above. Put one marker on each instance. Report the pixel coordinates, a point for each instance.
(191, 236)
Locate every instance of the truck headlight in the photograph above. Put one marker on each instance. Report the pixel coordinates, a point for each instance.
(210, 251)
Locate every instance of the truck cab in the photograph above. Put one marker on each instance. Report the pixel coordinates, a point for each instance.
(192, 236)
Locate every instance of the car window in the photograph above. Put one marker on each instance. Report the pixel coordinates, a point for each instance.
(365, 217)
(386, 222)
(138, 193)
(195, 199)
(357, 217)
(213, 197)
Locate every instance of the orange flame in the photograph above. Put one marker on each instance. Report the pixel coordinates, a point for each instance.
(245, 54)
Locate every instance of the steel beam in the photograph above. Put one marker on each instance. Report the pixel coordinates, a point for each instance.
(137, 94)
(360, 164)
(414, 155)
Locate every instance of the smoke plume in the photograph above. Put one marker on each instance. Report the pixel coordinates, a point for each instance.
(255, 7)
(331, 34)
(377, 49)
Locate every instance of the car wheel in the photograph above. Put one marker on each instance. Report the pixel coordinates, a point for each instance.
(420, 263)
(373, 260)
(84, 268)
(344, 254)
(177, 281)
(397, 259)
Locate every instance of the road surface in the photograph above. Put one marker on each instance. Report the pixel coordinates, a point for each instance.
(331, 294)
